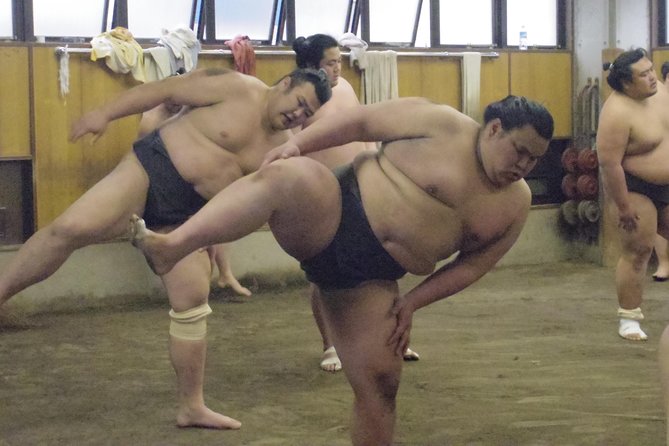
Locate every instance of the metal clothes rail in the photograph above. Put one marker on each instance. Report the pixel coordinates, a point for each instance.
(61, 50)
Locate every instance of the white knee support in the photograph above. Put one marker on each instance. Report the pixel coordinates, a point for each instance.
(190, 325)
(635, 314)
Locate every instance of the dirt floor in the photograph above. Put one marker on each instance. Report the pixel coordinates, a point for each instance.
(527, 356)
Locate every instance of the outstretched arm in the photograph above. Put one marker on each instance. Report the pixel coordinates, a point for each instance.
(385, 121)
(450, 279)
(198, 88)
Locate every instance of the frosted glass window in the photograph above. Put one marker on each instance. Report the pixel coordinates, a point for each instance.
(538, 17)
(320, 17)
(465, 23)
(146, 18)
(392, 20)
(251, 18)
(68, 18)
(6, 27)
(423, 34)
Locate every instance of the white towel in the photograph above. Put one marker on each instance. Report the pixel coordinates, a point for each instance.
(64, 71)
(157, 63)
(121, 52)
(355, 44)
(184, 45)
(379, 77)
(471, 85)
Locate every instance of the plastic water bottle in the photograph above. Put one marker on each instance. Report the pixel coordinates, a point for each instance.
(522, 42)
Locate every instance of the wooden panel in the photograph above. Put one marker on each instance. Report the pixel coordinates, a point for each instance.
(494, 79)
(270, 69)
(659, 57)
(546, 78)
(435, 78)
(63, 171)
(14, 103)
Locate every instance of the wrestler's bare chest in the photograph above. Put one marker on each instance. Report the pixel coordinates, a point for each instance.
(421, 223)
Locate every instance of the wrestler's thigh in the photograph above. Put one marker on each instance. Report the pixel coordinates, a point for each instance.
(361, 321)
(187, 284)
(105, 209)
(646, 224)
(308, 210)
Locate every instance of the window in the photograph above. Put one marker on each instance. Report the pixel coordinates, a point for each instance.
(251, 18)
(6, 27)
(393, 21)
(62, 20)
(404, 23)
(146, 18)
(537, 17)
(467, 23)
(331, 17)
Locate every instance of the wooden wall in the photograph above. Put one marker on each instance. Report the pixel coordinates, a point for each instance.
(62, 170)
(14, 103)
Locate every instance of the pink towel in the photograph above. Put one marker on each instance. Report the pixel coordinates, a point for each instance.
(243, 54)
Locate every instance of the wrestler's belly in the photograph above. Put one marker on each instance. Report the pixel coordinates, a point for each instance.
(416, 229)
(207, 166)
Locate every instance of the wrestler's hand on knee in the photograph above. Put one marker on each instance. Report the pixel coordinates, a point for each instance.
(404, 315)
(284, 151)
(628, 220)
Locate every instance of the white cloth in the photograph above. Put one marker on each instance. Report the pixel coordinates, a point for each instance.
(471, 85)
(64, 71)
(121, 52)
(184, 45)
(379, 77)
(157, 63)
(355, 44)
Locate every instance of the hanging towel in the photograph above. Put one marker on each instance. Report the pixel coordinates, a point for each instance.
(355, 44)
(121, 52)
(183, 44)
(379, 76)
(157, 63)
(243, 54)
(64, 71)
(471, 85)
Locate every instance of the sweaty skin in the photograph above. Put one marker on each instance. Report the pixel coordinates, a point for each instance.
(230, 122)
(633, 137)
(440, 185)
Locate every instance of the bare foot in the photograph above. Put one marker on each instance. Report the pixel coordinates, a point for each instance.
(152, 245)
(662, 273)
(232, 282)
(207, 418)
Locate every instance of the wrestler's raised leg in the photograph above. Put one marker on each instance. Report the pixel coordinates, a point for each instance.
(298, 197)
(187, 285)
(361, 322)
(100, 214)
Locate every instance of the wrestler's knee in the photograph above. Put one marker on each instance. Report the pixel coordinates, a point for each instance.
(70, 229)
(289, 172)
(638, 254)
(386, 385)
(191, 324)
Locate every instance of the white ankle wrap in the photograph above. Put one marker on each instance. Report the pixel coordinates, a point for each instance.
(635, 314)
(190, 325)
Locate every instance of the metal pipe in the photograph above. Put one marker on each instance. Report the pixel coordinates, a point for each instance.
(62, 49)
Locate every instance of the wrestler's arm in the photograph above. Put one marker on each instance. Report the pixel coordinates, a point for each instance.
(197, 88)
(612, 138)
(467, 268)
(385, 121)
